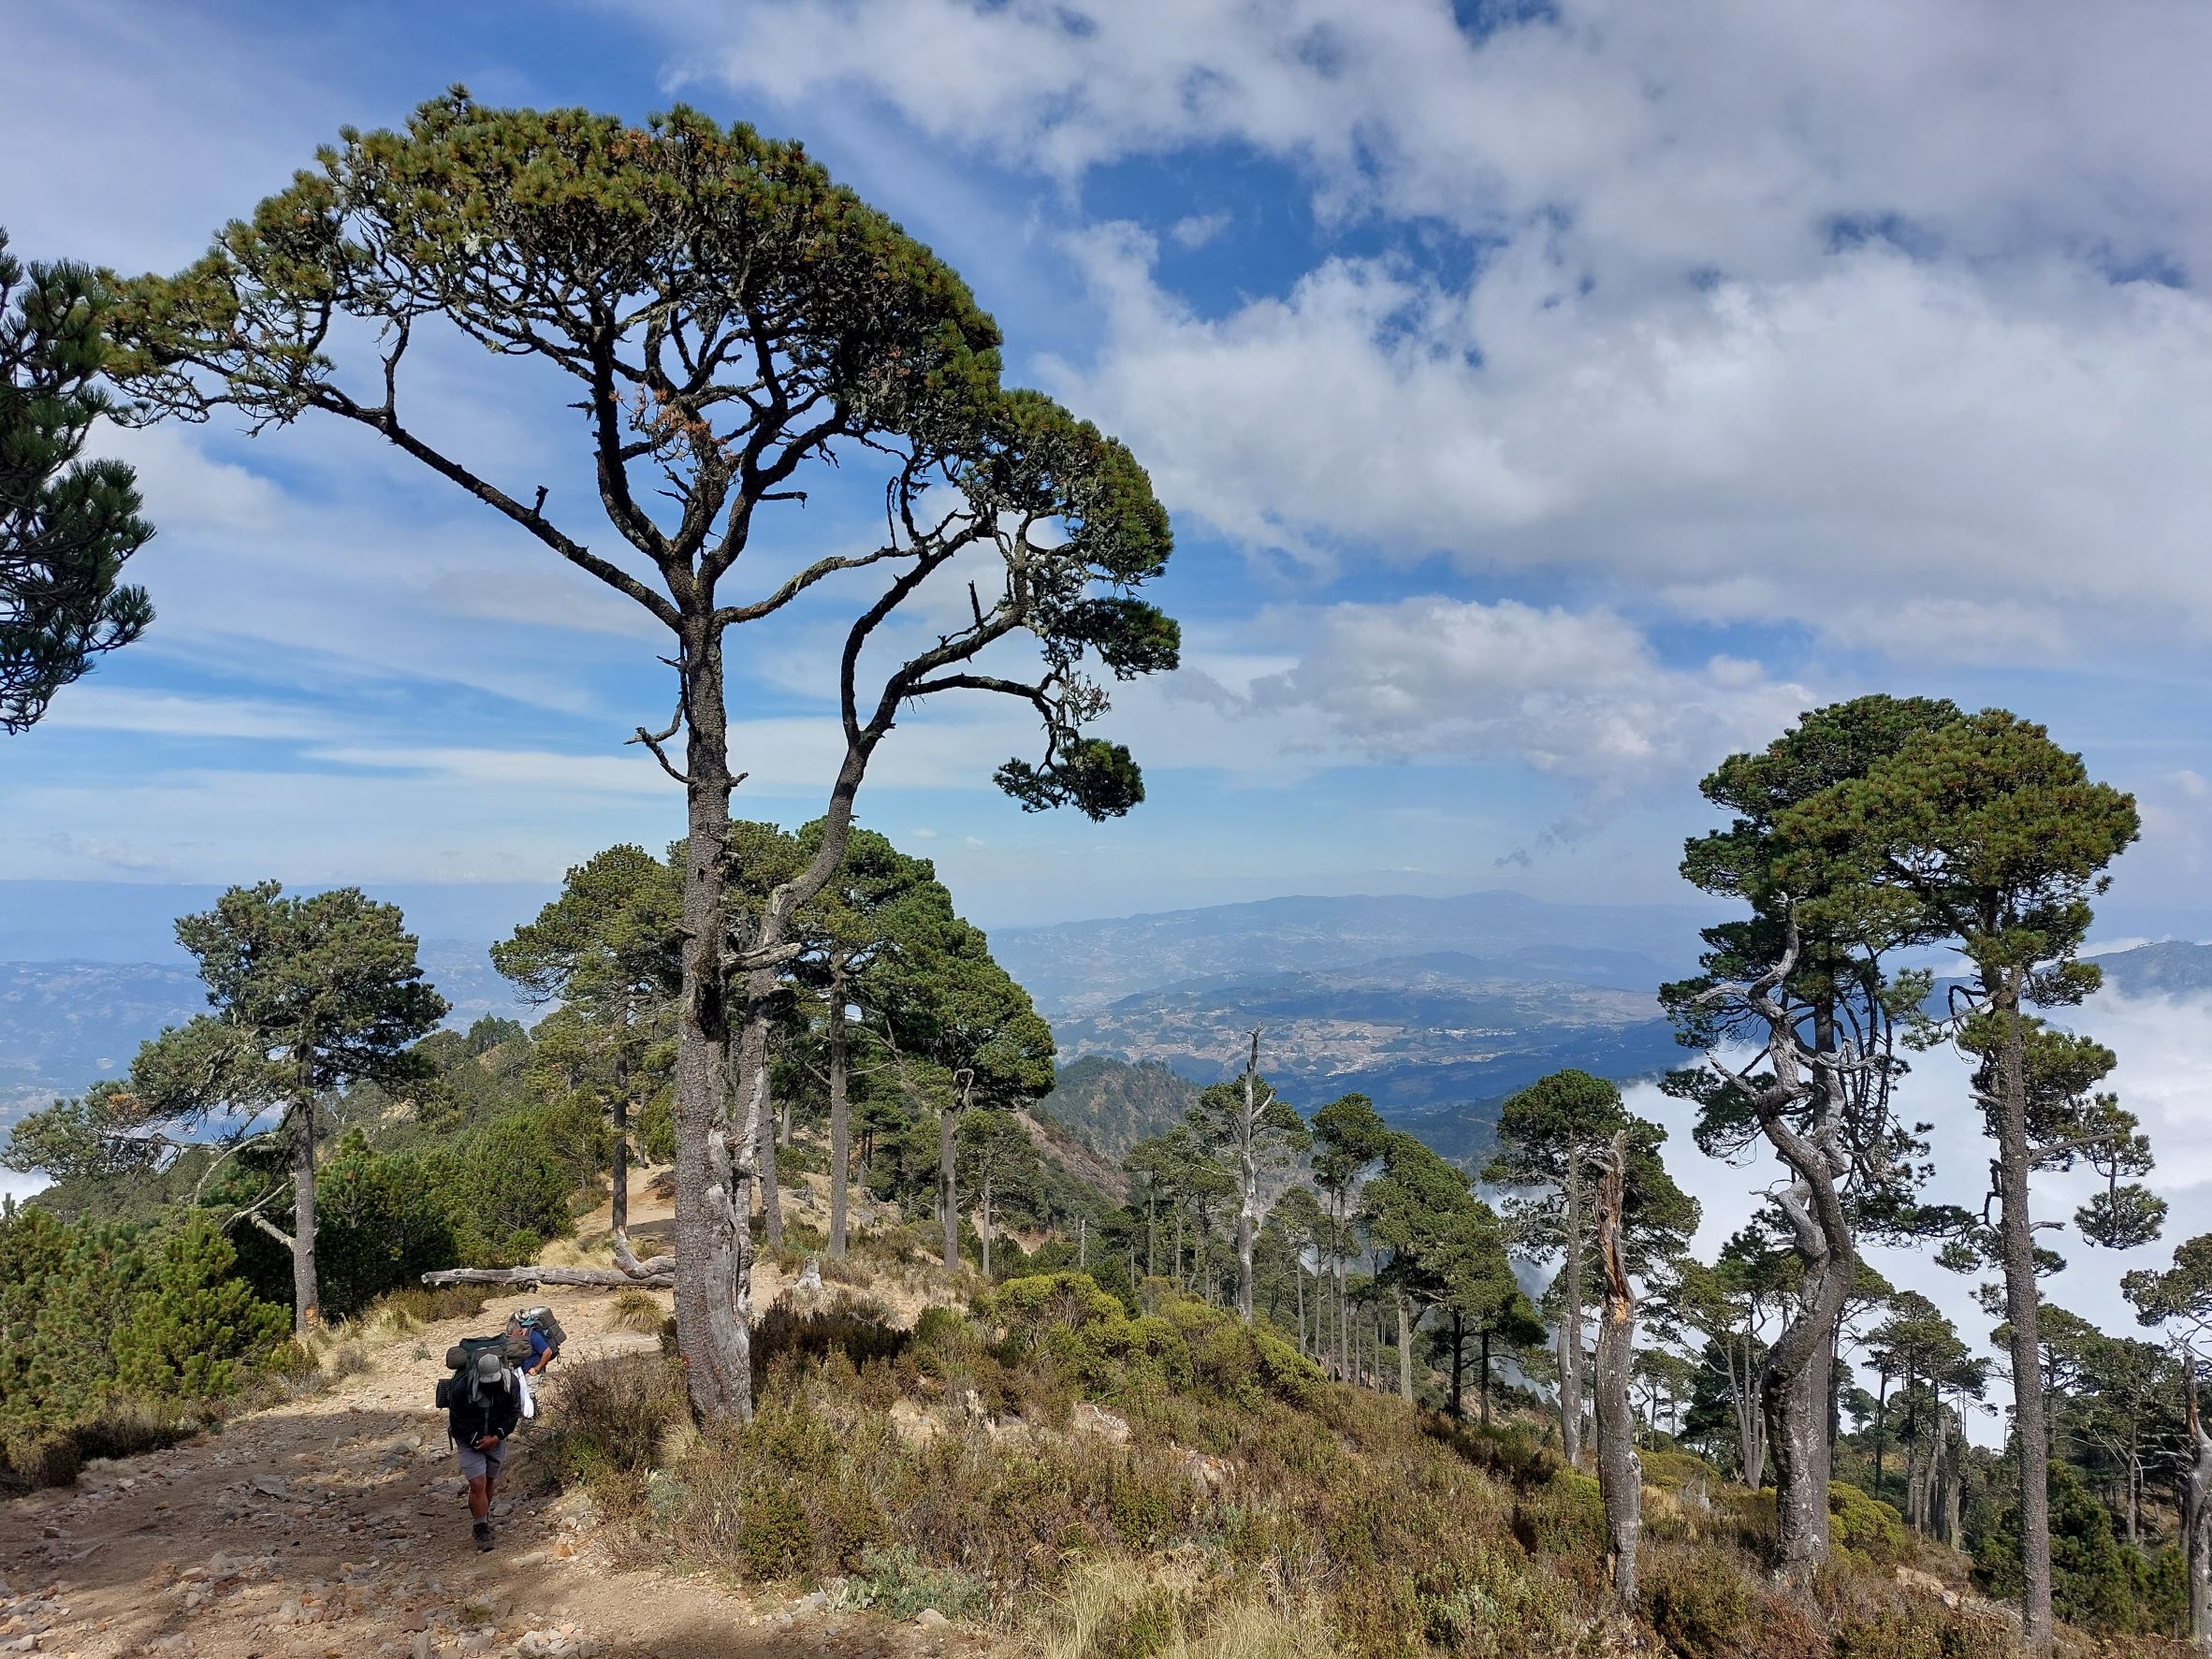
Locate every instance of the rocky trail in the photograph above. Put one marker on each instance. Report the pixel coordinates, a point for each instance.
(336, 1525)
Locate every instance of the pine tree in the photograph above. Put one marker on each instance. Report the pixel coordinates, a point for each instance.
(66, 524)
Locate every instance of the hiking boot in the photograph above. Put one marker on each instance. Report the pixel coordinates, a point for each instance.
(484, 1535)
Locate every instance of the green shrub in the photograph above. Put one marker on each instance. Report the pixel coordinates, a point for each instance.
(613, 1414)
(1670, 1471)
(1925, 1629)
(774, 1533)
(1697, 1604)
(92, 1314)
(900, 1584)
(1867, 1526)
(859, 1330)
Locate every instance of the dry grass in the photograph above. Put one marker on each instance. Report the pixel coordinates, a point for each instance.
(1128, 1609)
(636, 1310)
(401, 1313)
(1252, 1510)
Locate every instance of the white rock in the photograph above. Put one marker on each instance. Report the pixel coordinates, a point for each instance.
(930, 1619)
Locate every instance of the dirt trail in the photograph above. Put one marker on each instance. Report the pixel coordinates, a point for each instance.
(337, 1526)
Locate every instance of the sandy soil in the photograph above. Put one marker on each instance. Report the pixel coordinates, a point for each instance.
(337, 1525)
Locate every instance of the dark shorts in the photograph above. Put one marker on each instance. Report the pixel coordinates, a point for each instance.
(476, 1464)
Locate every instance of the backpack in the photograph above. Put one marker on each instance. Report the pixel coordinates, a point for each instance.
(461, 1387)
(540, 1319)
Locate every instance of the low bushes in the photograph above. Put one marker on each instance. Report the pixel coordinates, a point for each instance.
(1222, 1500)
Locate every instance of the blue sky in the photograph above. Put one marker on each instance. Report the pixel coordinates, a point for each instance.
(1549, 399)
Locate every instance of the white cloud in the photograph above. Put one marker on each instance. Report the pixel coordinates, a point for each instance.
(1719, 132)
(1578, 694)
(1195, 230)
(96, 707)
(1885, 451)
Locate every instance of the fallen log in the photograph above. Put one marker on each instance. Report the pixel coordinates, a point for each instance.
(657, 1273)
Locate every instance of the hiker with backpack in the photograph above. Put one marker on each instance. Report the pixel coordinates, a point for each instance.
(532, 1343)
(534, 1339)
(483, 1401)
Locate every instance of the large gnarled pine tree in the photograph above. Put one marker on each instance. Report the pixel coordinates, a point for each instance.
(729, 322)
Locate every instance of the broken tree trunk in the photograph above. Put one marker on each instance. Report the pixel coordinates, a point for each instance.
(657, 1272)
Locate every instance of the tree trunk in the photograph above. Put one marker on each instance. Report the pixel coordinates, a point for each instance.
(983, 1232)
(1620, 1470)
(1151, 1233)
(618, 1204)
(2196, 1519)
(1458, 1359)
(1570, 1328)
(2031, 1429)
(1404, 1349)
(840, 1123)
(764, 1161)
(714, 1341)
(657, 1272)
(1881, 1406)
(947, 1186)
(1954, 1487)
(1298, 1276)
(1344, 1318)
(1795, 1384)
(744, 1133)
(1486, 1376)
(1751, 1422)
(1794, 1395)
(306, 1293)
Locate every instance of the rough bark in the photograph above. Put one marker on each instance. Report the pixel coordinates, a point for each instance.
(1458, 1359)
(2196, 1520)
(2030, 1426)
(1751, 1419)
(1880, 1410)
(1570, 1328)
(765, 1147)
(948, 1185)
(306, 1294)
(1298, 1278)
(1248, 1183)
(715, 1344)
(1486, 1376)
(1620, 1470)
(840, 1125)
(656, 1273)
(982, 1232)
(1404, 1349)
(1794, 1384)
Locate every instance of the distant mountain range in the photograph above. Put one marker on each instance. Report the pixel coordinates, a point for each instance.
(2170, 969)
(1076, 966)
(67, 1025)
(1437, 1007)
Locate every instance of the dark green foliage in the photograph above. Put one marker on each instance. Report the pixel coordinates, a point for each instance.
(382, 1224)
(66, 525)
(96, 1315)
(311, 992)
(1111, 1105)
(1698, 1611)
(2096, 1581)
(856, 1330)
(1867, 1526)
